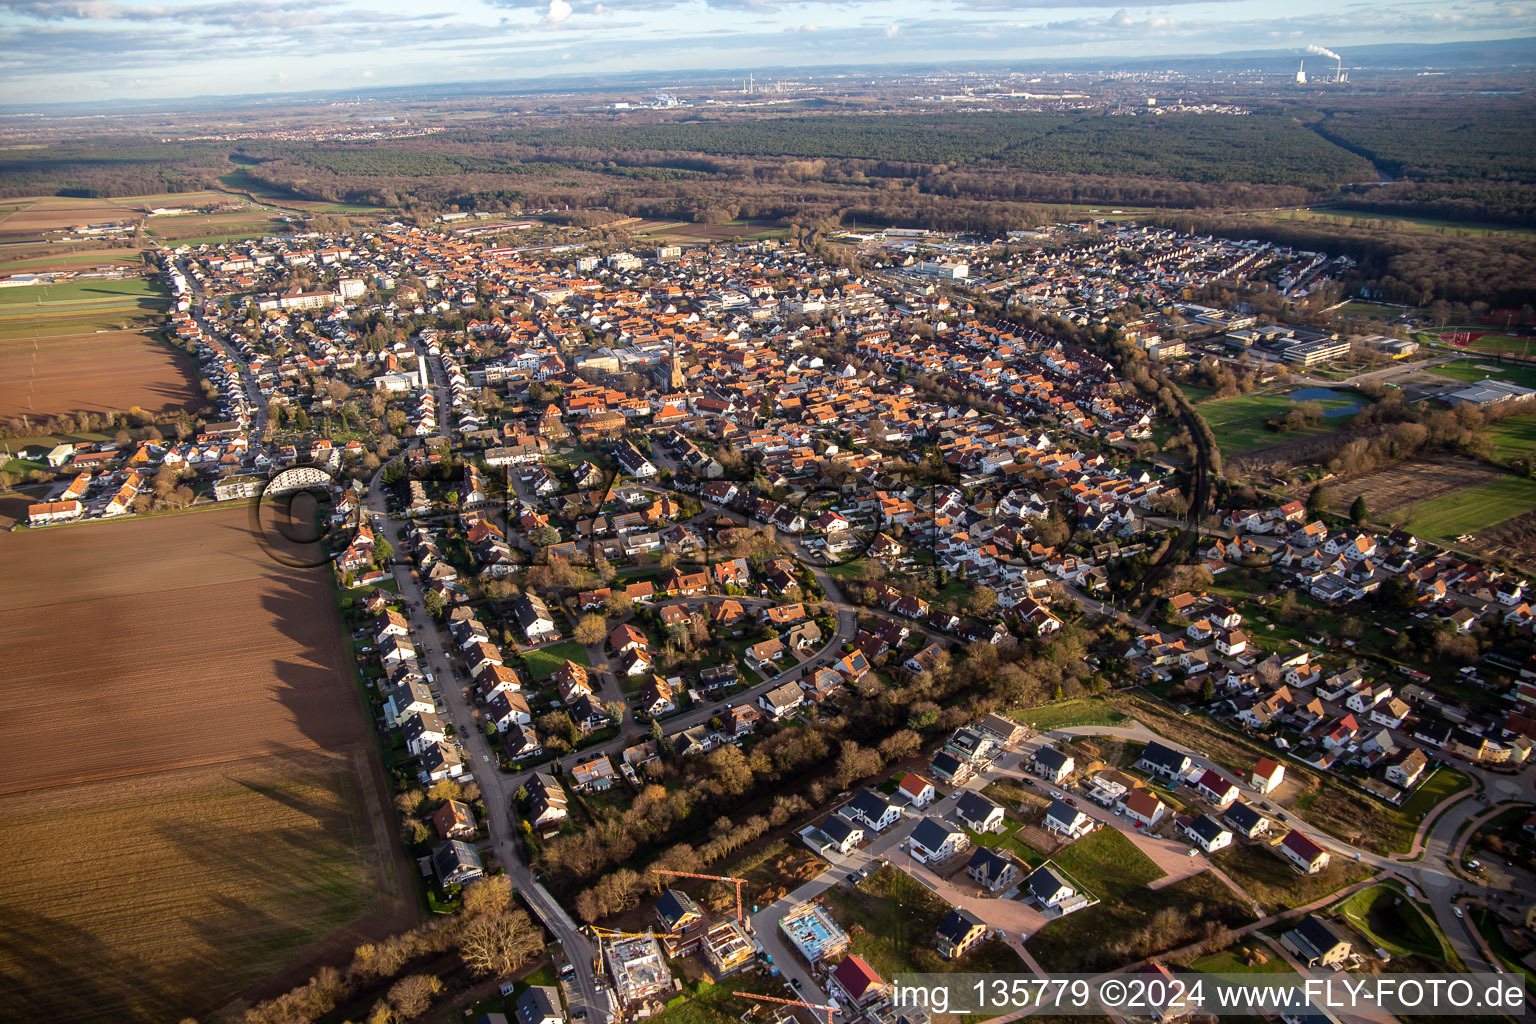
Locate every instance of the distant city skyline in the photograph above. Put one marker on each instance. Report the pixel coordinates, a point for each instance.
(100, 50)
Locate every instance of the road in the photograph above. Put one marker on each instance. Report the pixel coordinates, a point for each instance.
(497, 788)
(258, 404)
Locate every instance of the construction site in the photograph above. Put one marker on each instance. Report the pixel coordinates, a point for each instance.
(638, 968)
(811, 930)
(727, 948)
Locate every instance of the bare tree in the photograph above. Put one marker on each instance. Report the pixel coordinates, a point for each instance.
(495, 944)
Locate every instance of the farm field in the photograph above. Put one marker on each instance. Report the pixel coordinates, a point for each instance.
(195, 229)
(1473, 508)
(74, 259)
(54, 213)
(269, 827)
(1389, 492)
(1514, 437)
(1238, 423)
(687, 231)
(99, 372)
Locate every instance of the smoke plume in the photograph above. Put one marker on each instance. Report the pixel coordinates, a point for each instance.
(1323, 52)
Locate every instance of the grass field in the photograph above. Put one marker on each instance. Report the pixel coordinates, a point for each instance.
(1238, 423)
(1474, 370)
(1079, 711)
(192, 780)
(1275, 885)
(1473, 508)
(1373, 310)
(76, 259)
(80, 294)
(1386, 916)
(1141, 923)
(544, 662)
(1445, 227)
(1108, 864)
(1231, 961)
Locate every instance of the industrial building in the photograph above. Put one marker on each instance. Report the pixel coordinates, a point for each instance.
(1490, 392)
(812, 932)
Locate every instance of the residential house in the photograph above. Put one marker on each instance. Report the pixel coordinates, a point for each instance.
(454, 820)
(1267, 775)
(1207, 833)
(1051, 764)
(856, 983)
(1162, 760)
(992, 870)
(1144, 806)
(1047, 888)
(1304, 853)
(1066, 820)
(782, 700)
(935, 840)
(457, 863)
(1246, 820)
(918, 790)
(1405, 772)
(1216, 789)
(958, 933)
(1317, 943)
(874, 810)
(844, 835)
(978, 813)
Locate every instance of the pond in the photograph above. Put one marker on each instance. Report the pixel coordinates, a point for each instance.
(1335, 403)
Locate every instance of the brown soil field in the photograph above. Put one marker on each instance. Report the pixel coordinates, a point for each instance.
(53, 214)
(1514, 539)
(108, 371)
(1409, 482)
(71, 259)
(194, 800)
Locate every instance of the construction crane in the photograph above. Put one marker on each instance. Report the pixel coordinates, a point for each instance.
(830, 1008)
(711, 878)
(608, 933)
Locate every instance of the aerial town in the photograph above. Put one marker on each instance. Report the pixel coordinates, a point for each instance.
(932, 596)
(758, 512)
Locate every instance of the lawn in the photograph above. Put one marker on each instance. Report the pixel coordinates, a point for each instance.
(1142, 923)
(1270, 880)
(545, 661)
(1473, 370)
(1108, 864)
(1514, 437)
(1386, 916)
(1196, 393)
(1008, 840)
(1078, 711)
(1374, 310)
(1441, 783)
(1238, 423)
(1235, 961)
(1488, 927)
(891, 919)
(1472, 508)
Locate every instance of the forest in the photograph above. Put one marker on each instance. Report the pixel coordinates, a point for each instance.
(106, 167)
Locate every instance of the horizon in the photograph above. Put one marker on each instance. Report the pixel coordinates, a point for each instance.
(138, 52)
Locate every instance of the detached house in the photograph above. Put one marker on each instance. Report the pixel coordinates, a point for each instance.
(1207, 833)
(935, 840)
(1216, 789)
(1267, 775)
(1165, 761)
(958, 933)
(978, 813)
(1304, 854)
(1067, 821)
(992, 870)
(1051, 764)
(874, 810)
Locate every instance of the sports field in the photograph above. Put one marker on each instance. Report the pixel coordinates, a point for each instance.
(193, 800)
(1474, 370)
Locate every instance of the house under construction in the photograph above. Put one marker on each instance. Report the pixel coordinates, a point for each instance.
(813, 933)
(727, 948)
(638, 968)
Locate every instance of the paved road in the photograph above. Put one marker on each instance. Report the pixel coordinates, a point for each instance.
(258, 411)
(497, 788)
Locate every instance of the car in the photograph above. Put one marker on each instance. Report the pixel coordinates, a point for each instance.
(568, 970)
(795, 982)
(852, 877)
(1459, 912)
(1282, 817)
(1473, 865)
(1069, 801)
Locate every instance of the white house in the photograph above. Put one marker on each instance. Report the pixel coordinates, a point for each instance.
(1067, 820)
(1207, 833)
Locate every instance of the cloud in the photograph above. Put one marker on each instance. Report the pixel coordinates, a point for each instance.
(558, 11)
(893, 30)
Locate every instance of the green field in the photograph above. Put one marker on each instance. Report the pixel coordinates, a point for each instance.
(1373, 310)
(1444, 227)
(1107, 864)
(545, 661)
(1386, 916)
(1228, 961)
(1079, 711)
(1474, 370)
(1471, 509)
(81, 295)
(1238, 423)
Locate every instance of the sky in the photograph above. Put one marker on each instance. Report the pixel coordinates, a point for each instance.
(104, 50)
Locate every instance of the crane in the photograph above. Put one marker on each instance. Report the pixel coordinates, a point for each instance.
(711, 878)
(830, 1008)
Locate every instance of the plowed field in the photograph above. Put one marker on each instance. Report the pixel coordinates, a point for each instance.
(110, 371)
(192, 802)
